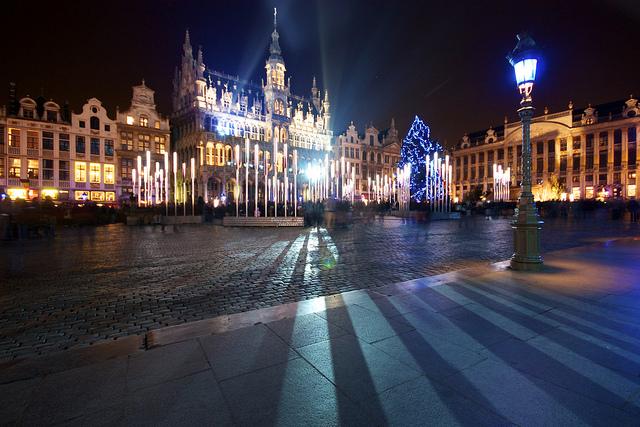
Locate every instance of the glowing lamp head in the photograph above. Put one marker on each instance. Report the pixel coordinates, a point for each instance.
(524, 59)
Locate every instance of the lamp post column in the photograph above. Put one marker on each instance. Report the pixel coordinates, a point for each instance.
(526, 223)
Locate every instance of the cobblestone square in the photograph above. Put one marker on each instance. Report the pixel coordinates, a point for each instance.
(89, 285)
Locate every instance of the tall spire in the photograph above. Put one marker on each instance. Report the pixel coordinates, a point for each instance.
(274, 49)
(187, 45)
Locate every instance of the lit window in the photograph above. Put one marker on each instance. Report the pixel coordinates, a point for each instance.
(126, 140)
(81, 172)
(143, 142)
(32, 168)
(94, 173)
(159, 143)
(157, 125)
(209, 155)
(129, 120)
(109, 174)
(144, 121)
(14, 137)
(14, 167)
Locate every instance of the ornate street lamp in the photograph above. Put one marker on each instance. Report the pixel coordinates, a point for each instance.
(526, 223)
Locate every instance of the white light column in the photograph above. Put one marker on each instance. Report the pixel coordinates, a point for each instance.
(175, 182)
(256, 158)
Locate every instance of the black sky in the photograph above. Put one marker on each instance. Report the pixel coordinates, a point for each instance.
(441, 60)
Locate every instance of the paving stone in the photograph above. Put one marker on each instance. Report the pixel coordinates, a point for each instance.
(356, 368)
(290, 393)
(64, 396)
(245, 350)
(527, 400)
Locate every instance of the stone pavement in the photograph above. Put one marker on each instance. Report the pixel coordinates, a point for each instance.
(90, 285)
(480, 346)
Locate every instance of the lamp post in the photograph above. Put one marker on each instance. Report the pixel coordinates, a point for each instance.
(526, 222)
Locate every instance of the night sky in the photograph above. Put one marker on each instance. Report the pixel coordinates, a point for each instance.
(441, 60)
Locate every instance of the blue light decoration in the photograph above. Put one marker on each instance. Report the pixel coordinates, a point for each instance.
(415, 148)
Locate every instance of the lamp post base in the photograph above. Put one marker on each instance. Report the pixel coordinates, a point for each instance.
(526, 246)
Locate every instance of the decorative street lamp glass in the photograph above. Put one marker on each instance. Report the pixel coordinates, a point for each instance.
(524, 59)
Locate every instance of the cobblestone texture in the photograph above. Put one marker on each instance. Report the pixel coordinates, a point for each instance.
(89, 285)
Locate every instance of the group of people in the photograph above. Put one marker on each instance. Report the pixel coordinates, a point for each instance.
(22, 219)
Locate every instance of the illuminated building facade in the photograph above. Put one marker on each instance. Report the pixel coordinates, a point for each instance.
(140, 129)
(372, 160)
(48, 152)
(214, 112)
(592, 151)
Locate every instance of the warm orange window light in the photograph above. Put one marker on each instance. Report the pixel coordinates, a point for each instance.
(17, 193)
(109, 174)
(97, 196)
(94, 173)
(81, 172)
(14, 137)
(53, 193)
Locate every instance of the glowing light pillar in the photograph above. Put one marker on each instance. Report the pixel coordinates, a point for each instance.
(266, 182)
(256, 158)
(193, 186)
(139, 179)
(237, 192)
(166, 181)
(342, 178)
(184, 188)
(247, 156)
(295, 182)
(285, 165)
(447, 184)
(450, 187)
(134, 177)
(147, 173)
(275, 173)
(175, 182)
(156, 182)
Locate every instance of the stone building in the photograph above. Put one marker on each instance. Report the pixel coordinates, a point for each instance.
(592, 151)
(214, 112)
(372, 158)
(140, 129)
(48, 152)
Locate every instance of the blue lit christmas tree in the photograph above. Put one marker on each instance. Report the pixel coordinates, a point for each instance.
(415, 148)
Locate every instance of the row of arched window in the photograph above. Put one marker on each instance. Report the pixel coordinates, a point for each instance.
(224, 155)
(229, 127)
